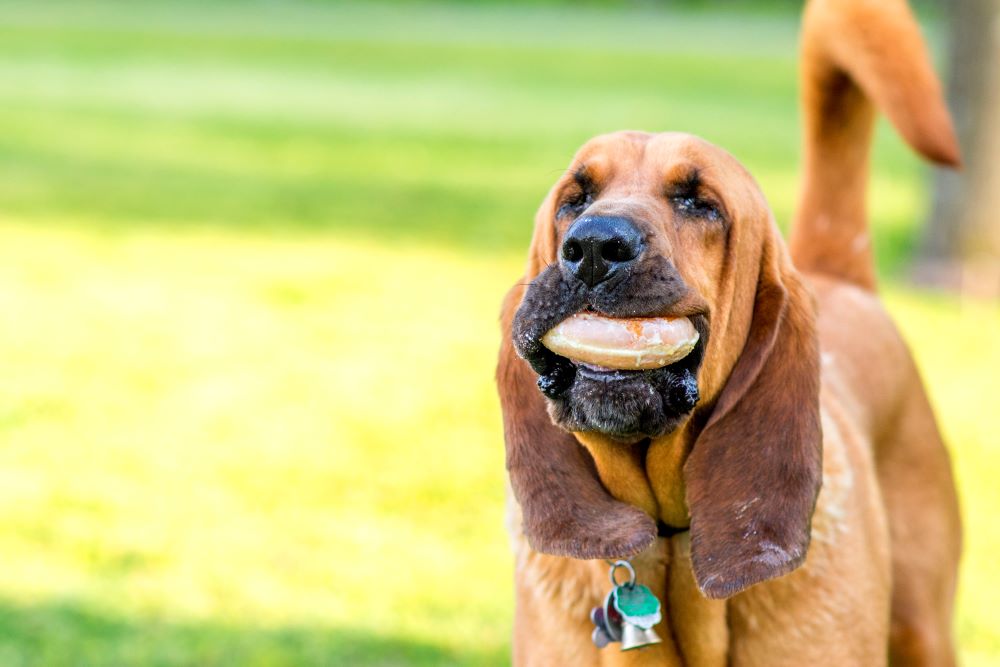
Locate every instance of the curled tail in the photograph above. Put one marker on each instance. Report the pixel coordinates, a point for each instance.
(856, 55)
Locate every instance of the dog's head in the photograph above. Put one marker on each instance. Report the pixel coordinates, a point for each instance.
(667, 225)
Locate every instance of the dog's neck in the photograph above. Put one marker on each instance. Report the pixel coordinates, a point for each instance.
(648, 474)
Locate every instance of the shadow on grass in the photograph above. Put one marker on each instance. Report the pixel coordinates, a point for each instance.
(73, 633)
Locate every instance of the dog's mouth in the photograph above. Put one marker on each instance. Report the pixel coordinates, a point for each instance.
(621, 360)
(651, 391)
(627, 404)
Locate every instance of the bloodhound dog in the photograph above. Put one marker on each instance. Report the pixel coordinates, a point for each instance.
(783, 488)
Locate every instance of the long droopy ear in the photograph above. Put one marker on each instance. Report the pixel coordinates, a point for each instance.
(756, 468)
(565, 509)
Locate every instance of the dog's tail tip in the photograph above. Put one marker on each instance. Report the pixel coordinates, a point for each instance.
(928, 130)
(936, 141)
(906, 88)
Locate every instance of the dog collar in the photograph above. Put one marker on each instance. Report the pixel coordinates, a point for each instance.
(664, 530)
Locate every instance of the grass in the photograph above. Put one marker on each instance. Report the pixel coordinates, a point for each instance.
(251, 257)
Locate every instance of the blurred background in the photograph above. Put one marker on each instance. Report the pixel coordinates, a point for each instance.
(251, 262)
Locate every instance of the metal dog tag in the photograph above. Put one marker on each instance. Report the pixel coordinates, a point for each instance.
(628, 614)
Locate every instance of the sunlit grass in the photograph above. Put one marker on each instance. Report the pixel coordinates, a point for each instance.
(250, 268)
(254, 433)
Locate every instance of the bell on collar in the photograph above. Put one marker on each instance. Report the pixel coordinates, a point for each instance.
(635, 637)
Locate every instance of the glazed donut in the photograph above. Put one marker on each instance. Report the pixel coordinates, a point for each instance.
(642, 343)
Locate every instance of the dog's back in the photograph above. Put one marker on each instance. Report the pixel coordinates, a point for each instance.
(858, 55)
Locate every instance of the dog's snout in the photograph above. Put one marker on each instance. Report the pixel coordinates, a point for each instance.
(598, 247)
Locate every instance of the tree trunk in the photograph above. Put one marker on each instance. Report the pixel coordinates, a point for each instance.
(961, 247)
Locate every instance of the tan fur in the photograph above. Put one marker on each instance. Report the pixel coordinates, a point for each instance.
(879, 576)
(665, 463)
(622, 469)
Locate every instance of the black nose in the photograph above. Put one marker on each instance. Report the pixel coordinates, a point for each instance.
(596, 248)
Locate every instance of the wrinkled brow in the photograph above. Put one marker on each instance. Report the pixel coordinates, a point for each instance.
(583, 176)
(684, 176)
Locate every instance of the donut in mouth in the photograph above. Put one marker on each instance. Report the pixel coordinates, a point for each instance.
(622, 344)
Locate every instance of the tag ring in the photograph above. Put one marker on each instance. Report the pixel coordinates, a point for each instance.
(628, 566)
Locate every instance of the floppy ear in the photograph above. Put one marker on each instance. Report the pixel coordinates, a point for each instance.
(755, 470)
(565, 509)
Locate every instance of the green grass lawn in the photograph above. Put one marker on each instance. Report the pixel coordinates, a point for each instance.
(251, 258)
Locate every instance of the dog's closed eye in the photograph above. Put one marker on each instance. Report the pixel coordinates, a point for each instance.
(690, 199)
(575, 203)
(579, 197)
(697, 207)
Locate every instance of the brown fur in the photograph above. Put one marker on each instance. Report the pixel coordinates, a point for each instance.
(804, 379)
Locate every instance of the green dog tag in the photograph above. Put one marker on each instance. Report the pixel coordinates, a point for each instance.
(637, 605)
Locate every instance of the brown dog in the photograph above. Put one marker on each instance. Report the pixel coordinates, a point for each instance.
(795, 441)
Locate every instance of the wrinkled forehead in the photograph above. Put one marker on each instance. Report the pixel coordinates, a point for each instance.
(637, 160)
